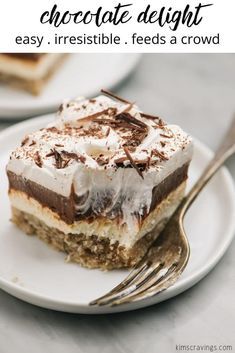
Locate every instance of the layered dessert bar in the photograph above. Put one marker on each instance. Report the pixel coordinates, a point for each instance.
(28, 71)
(100, 182)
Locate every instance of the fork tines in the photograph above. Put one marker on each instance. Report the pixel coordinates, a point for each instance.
(143, 280)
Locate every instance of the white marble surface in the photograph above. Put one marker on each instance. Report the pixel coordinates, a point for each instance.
(196, 91)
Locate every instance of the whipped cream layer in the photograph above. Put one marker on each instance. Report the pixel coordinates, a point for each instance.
(27, 69)
(103, 149)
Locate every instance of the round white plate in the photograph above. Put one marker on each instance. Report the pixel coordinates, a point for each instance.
(80, 74)
(33, 272)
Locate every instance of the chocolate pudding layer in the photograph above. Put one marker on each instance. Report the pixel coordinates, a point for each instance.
(66, 207)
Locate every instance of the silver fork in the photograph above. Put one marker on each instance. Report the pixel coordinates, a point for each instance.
(168, 256)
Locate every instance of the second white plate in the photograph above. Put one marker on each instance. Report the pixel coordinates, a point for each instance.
(32, 271)
(80, 74)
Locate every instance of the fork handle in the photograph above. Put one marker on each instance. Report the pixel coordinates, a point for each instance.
(226, 149)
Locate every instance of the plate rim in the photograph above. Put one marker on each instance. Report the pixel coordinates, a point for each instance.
(179, 287)
(34, 108)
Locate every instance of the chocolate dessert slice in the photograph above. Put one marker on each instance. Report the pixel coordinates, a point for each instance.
(28, 71)
(100, 182)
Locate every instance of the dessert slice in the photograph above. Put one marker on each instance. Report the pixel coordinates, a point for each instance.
(100, 182)
(29, 72)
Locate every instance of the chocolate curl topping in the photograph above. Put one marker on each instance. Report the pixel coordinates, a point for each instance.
(168, 136)
(159, 155)
(58, 159)
(132, 162)
(120, 160)
(109, 111)
(37, 159)
(60, 162)
(147, 116)
(108, 93)
(102, 161)
(52, 153)
(107, 132)
(77, 157)
(25, 140)
(131, 120)
(143, 163)
(160, 122)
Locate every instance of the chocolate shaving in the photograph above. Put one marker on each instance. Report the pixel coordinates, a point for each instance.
(120, 160)
(61, 163)
(131, 120)
(60, 108)
(132, 162)
(37, 159)
(142, 161)
(102, 161)
(148, 162)
(105, 121)
(66, 163)
(51, 129)
(109, 111)
(148, 116)
(108, 93)
(52, 153)
(126, 125)
(167, 136)
(107, 132)
(142, 164)
(26, 139)
(118, 124)
(58, 159)
(32, 143)
(58, 145)
(75, 156)
(160, 155)
(152, 117)
(70, 155)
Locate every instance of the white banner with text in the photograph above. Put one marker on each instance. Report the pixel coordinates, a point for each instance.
(117, 26)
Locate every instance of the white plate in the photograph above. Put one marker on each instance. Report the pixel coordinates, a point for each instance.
(33, 272)
(81, 74)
